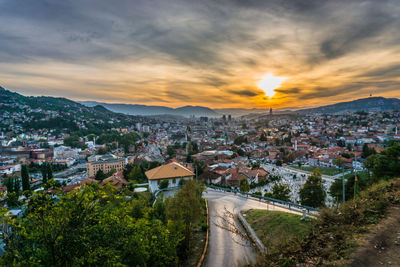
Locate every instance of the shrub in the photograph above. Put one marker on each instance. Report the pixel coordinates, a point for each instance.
(163, 184)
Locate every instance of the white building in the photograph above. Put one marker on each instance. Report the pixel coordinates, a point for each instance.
(172, 172)
(65, 152)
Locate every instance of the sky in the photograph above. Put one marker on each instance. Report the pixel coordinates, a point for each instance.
(212, 53)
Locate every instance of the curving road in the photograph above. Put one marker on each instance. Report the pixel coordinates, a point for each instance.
(225, 248)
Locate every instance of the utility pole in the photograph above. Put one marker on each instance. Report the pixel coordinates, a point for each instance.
(343, 192)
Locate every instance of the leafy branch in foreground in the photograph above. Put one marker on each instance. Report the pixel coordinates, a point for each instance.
(226, 221)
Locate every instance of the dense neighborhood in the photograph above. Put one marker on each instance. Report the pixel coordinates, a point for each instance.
(155, 169)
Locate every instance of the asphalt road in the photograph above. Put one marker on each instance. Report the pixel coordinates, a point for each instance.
(226, 248)
(70, 171)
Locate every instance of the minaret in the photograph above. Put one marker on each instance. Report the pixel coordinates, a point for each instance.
(295, 145)
(270, 111)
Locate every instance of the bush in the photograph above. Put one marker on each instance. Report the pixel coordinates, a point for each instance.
(332, 237)
(163, 184)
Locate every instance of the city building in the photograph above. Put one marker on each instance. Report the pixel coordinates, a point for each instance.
(173, 172)
(65, 152)
(105, 163)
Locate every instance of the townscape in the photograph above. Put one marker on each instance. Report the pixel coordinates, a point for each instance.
(220, 150)
(204, 133)
(268, 155)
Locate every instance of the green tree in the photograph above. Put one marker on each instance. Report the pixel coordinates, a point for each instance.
(186, 210)
(13, 185)
(171, 151)
(163, 184)
(100, 175)
(74, 141)
(49, 170)
(336, 188)
(386, 164)
(281, 191)
(312, 193)
(13, 191)
(189, 158)
(135, 174)
(338, 161)
(240, 140)
(43, 170)
(199, 166)
(93, 226)
(244, 185)
(26, 186)
(291, 157)
(366, 151)
(263, 137)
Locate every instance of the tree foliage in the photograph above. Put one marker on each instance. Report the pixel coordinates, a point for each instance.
(163, 184)
(386, 164)
(336, 188)
(13, 190)
(47, 172)
(263, 137)
(26, 186)
(312, 193)
(74, 141)
(100, 175)
(136, 172)
(171, 151)
(240, 140)
(366, 151)
(244, 185)
(184, 209)
(281, 191)
(93, 226)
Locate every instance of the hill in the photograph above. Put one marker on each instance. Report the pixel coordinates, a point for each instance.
(43, 112)
(144, 110)
(364, 104)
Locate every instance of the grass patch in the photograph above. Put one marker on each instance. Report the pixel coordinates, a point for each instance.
(277, 229)
(324, 171)
(335, 234)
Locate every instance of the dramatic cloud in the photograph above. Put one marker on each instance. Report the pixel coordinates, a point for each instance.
(210, 53)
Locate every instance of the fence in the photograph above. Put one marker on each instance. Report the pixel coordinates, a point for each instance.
(273, 201)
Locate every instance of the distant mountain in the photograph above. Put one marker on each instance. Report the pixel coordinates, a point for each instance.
(185, 111)
(364, 104)
(144, 110)
(237, 112)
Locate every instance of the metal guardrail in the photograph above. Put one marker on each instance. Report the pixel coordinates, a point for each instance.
(169, 188)
(164, 189)
(273, 200)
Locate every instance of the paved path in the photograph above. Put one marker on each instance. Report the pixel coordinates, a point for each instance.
(223, 250)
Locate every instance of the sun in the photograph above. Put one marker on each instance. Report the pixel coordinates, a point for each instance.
(269, 83)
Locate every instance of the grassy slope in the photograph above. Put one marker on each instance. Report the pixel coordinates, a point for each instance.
(276, 229)
(336, 234)
(324, 171)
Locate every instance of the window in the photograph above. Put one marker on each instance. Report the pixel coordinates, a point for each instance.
(174, 180)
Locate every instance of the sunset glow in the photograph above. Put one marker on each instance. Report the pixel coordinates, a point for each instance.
(269, 83)
(206, 53)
